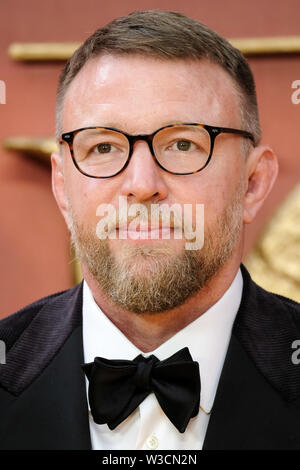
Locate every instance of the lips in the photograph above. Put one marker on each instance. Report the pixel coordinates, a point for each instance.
(147, 227)
(144, 231)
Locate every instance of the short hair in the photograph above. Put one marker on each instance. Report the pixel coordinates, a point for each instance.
(167, 35)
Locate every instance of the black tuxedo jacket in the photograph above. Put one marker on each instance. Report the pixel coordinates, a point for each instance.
(43, 401)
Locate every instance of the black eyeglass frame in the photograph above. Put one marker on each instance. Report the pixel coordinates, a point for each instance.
(213, 132)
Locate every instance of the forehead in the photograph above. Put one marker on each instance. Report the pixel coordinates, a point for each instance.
(139, 94)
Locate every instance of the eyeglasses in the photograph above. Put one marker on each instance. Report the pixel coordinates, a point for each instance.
(180, 149)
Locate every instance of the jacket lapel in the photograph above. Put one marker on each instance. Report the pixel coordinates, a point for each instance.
(248, 413)
(257, 400)
(45, 407)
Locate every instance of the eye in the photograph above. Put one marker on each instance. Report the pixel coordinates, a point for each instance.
(183, 145)
(105, 147)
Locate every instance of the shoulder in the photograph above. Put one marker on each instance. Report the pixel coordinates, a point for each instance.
(12, 326)
(288, 306)
(267, 325)
(257, 296)
(39, 331)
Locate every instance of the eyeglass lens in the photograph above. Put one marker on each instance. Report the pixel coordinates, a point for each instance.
(179, 149)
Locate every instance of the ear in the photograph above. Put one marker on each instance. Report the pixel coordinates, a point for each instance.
(58, 184)
(262, 170)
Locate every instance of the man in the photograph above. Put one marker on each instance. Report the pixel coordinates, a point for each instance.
(155, 114)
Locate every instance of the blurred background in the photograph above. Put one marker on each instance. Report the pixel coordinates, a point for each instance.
(35, 40)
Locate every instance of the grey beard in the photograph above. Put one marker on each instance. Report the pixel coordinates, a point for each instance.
(167, 280)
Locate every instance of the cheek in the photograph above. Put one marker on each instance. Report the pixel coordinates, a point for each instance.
(215, 191)
(225, 177)
(85, 195)
(206, 190)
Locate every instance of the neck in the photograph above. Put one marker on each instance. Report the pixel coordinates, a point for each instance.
(147, 331)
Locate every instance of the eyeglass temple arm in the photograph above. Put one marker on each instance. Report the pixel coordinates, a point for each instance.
(230, 130)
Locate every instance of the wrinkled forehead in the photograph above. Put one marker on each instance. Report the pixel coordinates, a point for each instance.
(138, 91)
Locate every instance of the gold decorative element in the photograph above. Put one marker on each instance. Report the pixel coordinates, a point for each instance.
(64, 50)
(275, 261)
(267, 45)
(76, 269)
(75, 266)
(36, 146)
(42, 51)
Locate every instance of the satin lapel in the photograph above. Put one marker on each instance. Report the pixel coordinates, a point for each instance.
(257, 400)
(43, 401)
(52, 412)
(37, 344)
(248, 413)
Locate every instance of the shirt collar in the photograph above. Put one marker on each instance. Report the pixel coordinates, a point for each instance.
(207, 338)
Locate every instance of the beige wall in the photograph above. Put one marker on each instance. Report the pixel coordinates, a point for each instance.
(34, 249)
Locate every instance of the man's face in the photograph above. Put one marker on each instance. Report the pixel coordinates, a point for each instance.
(138, 95)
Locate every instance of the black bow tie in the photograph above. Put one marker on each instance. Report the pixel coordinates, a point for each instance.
(117, 387)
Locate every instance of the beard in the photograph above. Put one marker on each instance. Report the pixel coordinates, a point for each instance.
(153, 279)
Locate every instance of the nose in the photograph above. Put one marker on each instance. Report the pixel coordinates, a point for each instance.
(143, 179)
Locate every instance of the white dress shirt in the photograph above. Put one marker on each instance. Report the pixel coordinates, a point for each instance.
(148, 427)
